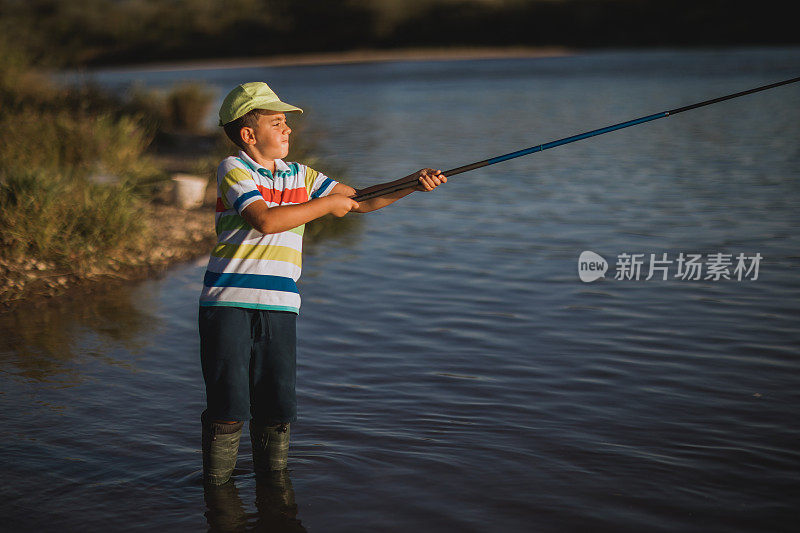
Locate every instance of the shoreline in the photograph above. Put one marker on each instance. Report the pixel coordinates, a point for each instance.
(347, 57)
(33, 283)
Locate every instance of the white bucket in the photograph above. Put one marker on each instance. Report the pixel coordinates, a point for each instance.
(189, 190)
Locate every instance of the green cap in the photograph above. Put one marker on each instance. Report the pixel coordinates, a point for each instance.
(248, 96)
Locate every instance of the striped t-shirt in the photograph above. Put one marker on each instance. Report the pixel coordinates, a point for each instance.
(248, 268)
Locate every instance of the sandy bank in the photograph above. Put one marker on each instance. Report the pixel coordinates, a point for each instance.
(354, 56)
(183, 235)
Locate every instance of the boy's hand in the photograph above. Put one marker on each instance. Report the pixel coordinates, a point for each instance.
(341, 204)
(429, 179)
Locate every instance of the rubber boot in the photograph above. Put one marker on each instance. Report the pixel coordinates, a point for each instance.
(220, 449)
(270, 448)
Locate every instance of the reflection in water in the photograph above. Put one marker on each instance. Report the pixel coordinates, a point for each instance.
(277, 510)
(43, 343)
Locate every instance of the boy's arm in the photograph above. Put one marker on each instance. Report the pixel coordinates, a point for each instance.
(285, 217)
(427, 180)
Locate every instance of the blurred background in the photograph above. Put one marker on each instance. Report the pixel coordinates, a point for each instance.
(454, 373)
(92, 32)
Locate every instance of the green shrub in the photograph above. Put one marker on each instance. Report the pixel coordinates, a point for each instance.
(67, 221)
(187, 106)
(73, 144)
(70, 160)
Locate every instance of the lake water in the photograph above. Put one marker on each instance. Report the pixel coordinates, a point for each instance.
(455, 374)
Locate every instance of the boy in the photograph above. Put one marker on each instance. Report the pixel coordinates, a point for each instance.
(250, 301)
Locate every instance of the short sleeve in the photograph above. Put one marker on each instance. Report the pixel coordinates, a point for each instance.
(318, 184)
(237, 189)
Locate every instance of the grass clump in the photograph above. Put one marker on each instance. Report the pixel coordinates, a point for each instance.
(75, 145)
(65, 223)
(72, 165)
(187, 106)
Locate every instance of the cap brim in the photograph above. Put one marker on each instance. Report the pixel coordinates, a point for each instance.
(280, 107)
(276, 106)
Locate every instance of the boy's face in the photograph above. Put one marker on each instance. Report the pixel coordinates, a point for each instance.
(270, 137)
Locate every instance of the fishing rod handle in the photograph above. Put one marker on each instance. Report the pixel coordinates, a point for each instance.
(406, 184)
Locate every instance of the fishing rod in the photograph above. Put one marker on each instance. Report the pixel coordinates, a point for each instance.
(566, 140)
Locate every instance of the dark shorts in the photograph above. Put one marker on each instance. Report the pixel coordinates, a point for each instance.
(249, 364)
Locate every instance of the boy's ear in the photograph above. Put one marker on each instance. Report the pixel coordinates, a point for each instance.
(248, 135)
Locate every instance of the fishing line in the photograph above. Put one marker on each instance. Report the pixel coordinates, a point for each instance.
(566, 140)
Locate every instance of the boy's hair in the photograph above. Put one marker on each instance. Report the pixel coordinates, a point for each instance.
(233, 129)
